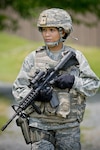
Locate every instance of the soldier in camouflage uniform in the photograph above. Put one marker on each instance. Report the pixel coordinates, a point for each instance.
(56, 128)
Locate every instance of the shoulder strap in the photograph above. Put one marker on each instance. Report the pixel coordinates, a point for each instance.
(69, 48)
(40, 49)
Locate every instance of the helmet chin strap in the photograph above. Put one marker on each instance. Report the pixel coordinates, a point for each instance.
(53, 44)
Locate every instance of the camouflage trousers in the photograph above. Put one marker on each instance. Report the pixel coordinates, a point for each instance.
(63, 139)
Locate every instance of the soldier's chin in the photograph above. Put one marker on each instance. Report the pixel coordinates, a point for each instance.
(50, 44)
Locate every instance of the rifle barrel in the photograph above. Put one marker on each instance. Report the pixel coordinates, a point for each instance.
(5, 126)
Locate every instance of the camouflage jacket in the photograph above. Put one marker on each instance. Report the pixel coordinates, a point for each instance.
(72, 104)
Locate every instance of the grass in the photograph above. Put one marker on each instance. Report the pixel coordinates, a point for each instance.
(92, 54)
(12, 53)
(13, 50)
(4, 104)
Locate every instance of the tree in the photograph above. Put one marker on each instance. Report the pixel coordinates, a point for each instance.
(31, 8)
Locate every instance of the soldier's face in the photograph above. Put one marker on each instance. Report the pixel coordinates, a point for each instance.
(50, 34)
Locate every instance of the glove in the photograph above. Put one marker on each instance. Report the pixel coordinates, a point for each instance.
(45, 95)
(64, 81)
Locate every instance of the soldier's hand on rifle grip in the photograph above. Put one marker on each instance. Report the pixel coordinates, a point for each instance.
(45, 94)
(64, 81)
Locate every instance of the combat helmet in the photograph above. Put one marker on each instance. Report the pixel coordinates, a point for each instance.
(56, 17)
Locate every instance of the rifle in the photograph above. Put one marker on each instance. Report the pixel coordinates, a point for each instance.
(44, 79)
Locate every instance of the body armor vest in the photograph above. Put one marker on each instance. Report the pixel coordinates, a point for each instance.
(71, 103)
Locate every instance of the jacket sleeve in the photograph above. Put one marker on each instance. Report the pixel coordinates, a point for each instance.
(21, 85)
(87, 83)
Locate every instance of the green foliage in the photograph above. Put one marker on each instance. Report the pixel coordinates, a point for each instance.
(25, 7)
(32, 8)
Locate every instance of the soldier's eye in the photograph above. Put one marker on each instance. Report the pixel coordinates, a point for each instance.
(52, 30)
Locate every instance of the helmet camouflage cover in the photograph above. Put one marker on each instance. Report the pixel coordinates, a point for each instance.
(55, 17)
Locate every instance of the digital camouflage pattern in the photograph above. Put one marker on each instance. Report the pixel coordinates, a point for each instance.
(57, 128)
(55, 18)
(57, 139)
(86, 84)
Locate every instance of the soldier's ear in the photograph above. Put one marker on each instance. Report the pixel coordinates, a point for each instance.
(63, 33)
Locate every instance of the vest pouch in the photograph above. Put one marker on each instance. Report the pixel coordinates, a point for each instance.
(49, 110)
(64, 104)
